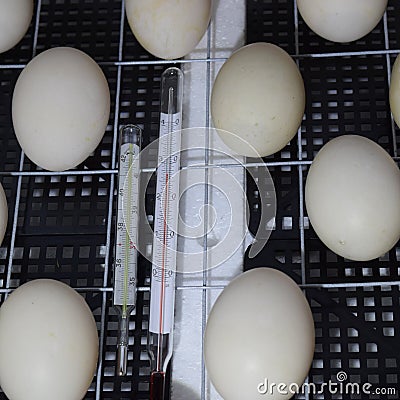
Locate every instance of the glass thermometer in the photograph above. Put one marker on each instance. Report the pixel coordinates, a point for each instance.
(162, 290)
(125, 265)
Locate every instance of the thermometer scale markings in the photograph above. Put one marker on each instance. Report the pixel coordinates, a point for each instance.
(125, 252)
(127, 224)
(164, 253)
(162, 288)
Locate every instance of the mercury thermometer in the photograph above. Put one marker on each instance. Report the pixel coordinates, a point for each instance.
(162, 289)
(125, 265)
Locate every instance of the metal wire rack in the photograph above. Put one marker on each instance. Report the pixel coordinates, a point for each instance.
(61, 224)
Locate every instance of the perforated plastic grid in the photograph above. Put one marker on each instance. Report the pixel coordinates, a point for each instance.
(355, 304)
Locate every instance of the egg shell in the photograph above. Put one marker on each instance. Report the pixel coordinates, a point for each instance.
(352, 195)
(168, 29)
(394, 91)
(259, 328)
(48, 343)
(60, 108)
(3, 213)
(15, 18)
(342, 20)
(258, 100)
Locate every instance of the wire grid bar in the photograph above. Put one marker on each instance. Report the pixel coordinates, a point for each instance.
(387, 52)
(300, 156)
(206, 214)
(110, 205)
(221, 287)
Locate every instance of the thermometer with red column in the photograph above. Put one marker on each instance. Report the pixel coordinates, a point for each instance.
(162, 291)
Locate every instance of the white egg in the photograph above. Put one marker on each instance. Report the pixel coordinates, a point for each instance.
(352, 196)
(394, 91)
(3, 213)
(170, 28)
(259, 329)
(60, 108)
(342, 20)
(258, 100)
(15, 18)
(48, 343)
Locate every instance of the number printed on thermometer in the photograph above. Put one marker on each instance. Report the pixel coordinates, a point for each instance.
(127, 224)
